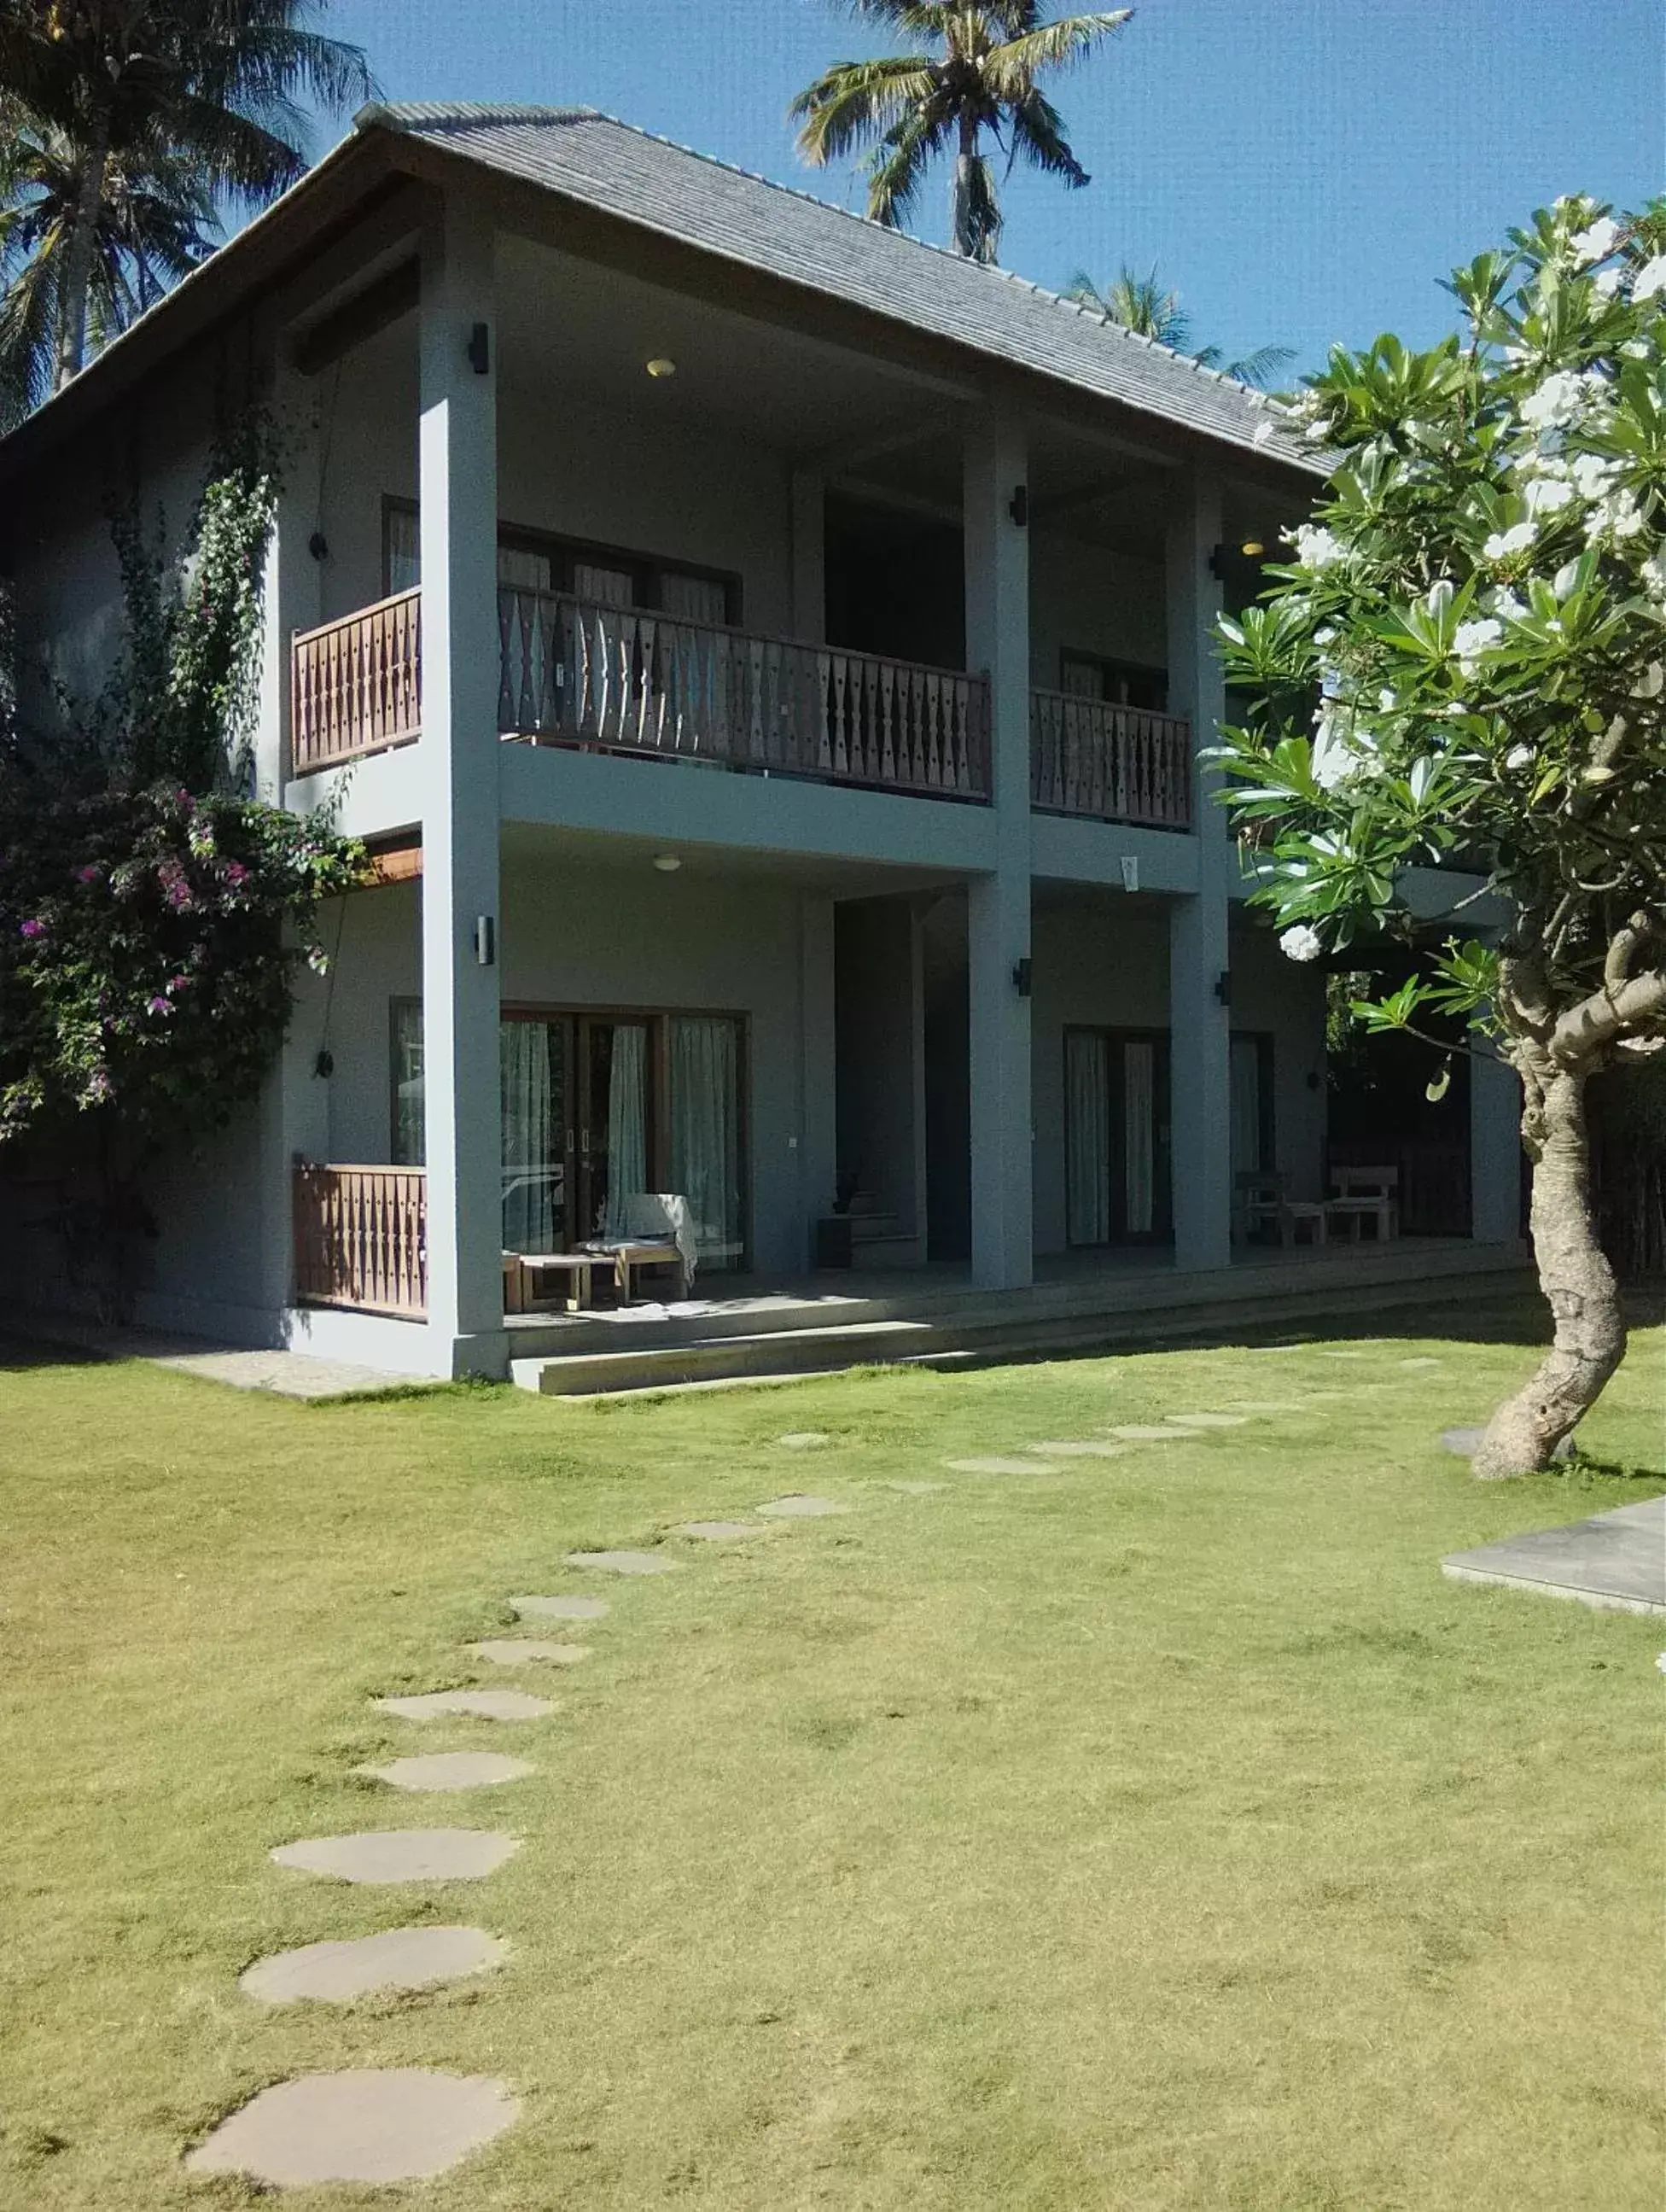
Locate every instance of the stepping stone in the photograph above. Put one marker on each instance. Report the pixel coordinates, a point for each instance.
(1615, 1561)
(1142, 1433)
(1000, 1466)
(400, 1959)
(914, 1489)
(624, 1563)
(559, 1608)
(400, 2124)
(799, 1507)
(528, 1651)
(449, 1769)
(1207, 1420)
(391, 1855)
(1082, 1447)
(1266, 1405)
(804, 1439)
(483, 1704)
(1342, 1355)
(718, 1532)
(1420, 1362)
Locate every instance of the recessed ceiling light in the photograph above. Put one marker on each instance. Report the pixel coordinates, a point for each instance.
(661, 365)
(667, 863)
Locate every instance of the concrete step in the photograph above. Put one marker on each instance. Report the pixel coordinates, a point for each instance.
(977, 1333)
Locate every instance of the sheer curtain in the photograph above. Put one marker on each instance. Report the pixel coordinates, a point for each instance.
(1139, 1087)
(1088, 1120)
(531, 1143)
(401, 549)
(627, 1123)
(1246, 1118)
(706, 1133)
(409, 1125)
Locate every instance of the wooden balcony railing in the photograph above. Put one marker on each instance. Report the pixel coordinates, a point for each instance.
(361, 1239)
(625, 680)
(356, 684)
(1117, 764)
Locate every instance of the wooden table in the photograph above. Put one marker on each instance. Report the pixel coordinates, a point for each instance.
(579, 1269)
(629, 1254)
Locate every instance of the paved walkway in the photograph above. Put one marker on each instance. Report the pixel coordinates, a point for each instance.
(1615, 1561)
(289, 1374)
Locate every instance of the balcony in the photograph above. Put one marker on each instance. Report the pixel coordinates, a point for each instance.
(577, 673)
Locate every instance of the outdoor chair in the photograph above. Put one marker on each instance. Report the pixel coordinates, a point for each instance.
(1263, 1203)
(654, 1228)
(1362, 1195)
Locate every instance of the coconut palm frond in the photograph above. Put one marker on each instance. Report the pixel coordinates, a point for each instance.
(854, 103)
(897, 171)
(1257, 369)
(1038, 140)
(1061, 44)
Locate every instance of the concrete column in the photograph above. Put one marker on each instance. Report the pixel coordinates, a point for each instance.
(458, 473)
(810, 556)
(1495, 1149)
(997, 601)
(1199, 1021)
(818, 1146)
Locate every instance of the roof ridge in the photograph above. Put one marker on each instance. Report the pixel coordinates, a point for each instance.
(486, 111)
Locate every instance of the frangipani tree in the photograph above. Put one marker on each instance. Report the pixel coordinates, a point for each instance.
(1479, 610)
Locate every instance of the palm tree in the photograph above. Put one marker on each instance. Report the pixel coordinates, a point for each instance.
(979, 75)
(198, 94)
(1141, 304)
(155, 222)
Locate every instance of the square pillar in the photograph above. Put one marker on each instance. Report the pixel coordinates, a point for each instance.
(458, 475)
(818, 1141)
(998, 605)
(1200, 1022)
(1495, 1147)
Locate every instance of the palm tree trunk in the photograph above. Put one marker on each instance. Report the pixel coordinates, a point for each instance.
(965, 240)
(78, 259)
(1589, 1338)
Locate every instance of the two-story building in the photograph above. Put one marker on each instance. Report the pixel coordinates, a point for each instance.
(769, 657)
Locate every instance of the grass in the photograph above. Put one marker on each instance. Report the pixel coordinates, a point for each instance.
(1164, 1832)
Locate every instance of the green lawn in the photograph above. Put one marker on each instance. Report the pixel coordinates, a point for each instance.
(1163, 1832)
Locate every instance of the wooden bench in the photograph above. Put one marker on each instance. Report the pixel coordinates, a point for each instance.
(522, 1269)
(1364, 1195)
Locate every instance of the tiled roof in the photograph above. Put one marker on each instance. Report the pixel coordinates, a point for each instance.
(585, 155)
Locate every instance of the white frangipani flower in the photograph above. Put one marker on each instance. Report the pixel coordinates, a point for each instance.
(1508, 607)
(1653, 575)
(1504, 546)
(1606, 282)
(1387, 699)
(1593, 474)
(1557, 400)
(1595, 244)
(1650, 279)
(1618, 517)
(1317, 548)
(1472, 639)
(1547, 495)
(1519, 756)
(1300, 943)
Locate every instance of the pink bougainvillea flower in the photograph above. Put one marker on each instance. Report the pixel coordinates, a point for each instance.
(236, 873)
(33, 928)
(89, 874)
(159, 1005)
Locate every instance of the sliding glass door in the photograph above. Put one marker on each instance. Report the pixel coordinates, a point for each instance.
(1116, 1137)
(599, 1107)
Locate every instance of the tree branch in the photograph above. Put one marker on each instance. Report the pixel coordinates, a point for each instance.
(1598, 1023)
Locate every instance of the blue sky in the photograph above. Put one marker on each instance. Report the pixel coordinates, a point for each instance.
(1301, 170)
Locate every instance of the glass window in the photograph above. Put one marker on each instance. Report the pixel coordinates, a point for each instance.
(401, 549)
(703, 1084)
(410, 1128)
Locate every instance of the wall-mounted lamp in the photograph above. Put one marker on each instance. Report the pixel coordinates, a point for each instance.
(1021, 977)
(480, 349)
(318, 546)
(324, 1067)
(1018, 505)
(485, 940)
(1252, 549)
(661, 367)
(667, 863)
(1223, 987)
